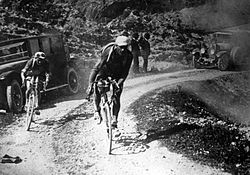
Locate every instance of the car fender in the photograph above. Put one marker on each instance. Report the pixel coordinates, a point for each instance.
(4, 75)
(236, 54)
(218, 54)
(9, 75)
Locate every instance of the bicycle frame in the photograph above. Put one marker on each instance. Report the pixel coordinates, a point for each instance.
(107, 105)
(32, 99)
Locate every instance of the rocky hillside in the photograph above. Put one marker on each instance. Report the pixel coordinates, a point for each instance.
(175, 26)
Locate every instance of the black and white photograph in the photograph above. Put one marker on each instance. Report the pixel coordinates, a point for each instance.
(125, 87)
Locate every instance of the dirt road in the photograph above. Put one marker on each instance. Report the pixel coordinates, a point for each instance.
(67, 141)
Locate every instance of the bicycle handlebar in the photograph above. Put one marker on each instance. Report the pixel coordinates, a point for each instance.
(109, 79)
(112, 81)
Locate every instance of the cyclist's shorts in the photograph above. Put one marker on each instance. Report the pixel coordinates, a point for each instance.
(40, 83)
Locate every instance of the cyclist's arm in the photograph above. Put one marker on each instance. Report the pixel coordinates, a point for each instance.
(47, 70)
(46, 73)
(24, 70)
(46, 66)
(27, 66)
(97, 67)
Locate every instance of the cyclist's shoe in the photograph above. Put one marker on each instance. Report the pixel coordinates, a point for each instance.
(116, 132)
(114, 124)
(115, 129)
(37, 112)
(98, 117)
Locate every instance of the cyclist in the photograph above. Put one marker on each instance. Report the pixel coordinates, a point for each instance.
(115, 62)
(38, 65)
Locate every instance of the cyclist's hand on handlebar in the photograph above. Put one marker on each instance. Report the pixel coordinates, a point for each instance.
(45, 84)
(89, 91)
(23, 84)
(87, 97)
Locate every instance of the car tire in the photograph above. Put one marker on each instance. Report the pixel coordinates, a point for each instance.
(223, 62)
(72, 81)
(14, 97)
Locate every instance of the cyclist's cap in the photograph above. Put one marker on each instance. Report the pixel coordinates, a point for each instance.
(122, 41)
(40, 55)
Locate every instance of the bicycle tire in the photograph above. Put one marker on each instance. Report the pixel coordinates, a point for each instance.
(30, 109)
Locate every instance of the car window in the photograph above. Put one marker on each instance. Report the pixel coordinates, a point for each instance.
(56, 44)
(15, 51)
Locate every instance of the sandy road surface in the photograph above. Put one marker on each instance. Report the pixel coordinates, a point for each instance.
(73, 144)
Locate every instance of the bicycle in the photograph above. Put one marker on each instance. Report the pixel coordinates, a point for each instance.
(106, 104)
(32, 103)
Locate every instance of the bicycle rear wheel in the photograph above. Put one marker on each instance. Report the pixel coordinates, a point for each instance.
(30, 109)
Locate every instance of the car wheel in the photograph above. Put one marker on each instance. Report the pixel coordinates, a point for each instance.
(73, 81)
(223, 62)
(14, 97)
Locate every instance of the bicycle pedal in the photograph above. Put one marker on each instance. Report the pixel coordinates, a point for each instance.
(116, 133)
(99, 121)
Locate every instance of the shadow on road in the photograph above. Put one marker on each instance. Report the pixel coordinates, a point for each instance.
(66, 119)
(162, 134)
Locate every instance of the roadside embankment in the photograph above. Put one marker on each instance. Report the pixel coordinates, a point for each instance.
(207, 121)
(228, 95)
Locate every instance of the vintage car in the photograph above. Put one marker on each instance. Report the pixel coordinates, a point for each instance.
(222, 50)
(14, 54)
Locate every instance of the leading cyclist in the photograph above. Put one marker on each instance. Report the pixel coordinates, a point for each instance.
(38, 65)
(115, 62)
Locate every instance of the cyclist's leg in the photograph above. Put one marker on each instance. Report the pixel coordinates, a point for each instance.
(27, 91)
(116, 109)
(116, 105)
(97, 100)
(39, 88)
(37, 91)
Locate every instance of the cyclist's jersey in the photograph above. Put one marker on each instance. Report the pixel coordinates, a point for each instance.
(32, 68)
(115, 64)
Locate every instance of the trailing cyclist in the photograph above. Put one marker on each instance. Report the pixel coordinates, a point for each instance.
(38, 65)
(115, 62)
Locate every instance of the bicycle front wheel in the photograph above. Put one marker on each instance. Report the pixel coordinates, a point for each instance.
(30, 109)
(109, 118)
